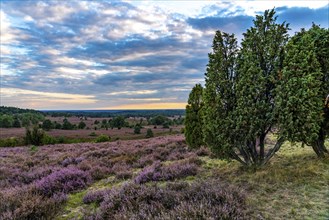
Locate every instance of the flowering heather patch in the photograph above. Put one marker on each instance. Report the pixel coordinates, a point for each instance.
(25, 203)
(65, 180)
(96, 196)
(159, 172)
(200, 200)
(34, 183)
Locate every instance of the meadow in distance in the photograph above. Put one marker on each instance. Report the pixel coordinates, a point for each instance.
(252, 143)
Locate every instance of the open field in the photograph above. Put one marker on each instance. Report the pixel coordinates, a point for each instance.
(123, 133)
(97, 181)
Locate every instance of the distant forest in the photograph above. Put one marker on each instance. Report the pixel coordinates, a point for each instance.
(115, 113)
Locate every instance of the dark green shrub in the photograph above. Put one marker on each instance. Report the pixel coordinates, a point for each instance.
(137, 129)
(47, 125)
(149, 133)
(34, 137)
(81, 125)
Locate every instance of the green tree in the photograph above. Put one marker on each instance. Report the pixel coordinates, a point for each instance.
(259, 65)
(149, 133)
(118, 122)
(81, 125)
(67, 125)
(158, 120)
(16, 123)
(137, 129)
(35, 136)
(240, 89)
(47, 125)
(6, 121)
(303, 109)
(193, 121)
(219, 97)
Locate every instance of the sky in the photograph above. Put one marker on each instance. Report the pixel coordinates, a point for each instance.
(64, 55)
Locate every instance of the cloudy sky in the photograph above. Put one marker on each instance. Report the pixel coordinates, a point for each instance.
(121, 54)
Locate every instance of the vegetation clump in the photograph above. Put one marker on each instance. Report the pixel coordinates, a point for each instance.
(193, 120)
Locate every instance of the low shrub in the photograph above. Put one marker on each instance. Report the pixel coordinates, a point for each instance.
(24, 203)
(34, 136)
(149, 133)
(200, 200)
(96, 196)
(11, 142)
(158, 172)
(65, 180)
(46, 139)
(102, 138)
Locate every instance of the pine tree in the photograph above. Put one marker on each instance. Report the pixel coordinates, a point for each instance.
(259, 65)
(193, 120)
(219, 96)
(303, 110)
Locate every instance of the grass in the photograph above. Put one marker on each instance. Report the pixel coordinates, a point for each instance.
(74, 206)
(294, 185)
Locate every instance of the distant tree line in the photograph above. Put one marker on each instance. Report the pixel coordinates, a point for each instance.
(116, 113)
(18, 120)
(269, 83)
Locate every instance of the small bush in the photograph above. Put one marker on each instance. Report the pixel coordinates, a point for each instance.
(34, 137)
(157, 172)
(149, 133)
(10, 142)
(137, 129)
(102, 138)
(93, 134)
(46, 139)
(65, 180)
(200, 200)
(23, 203)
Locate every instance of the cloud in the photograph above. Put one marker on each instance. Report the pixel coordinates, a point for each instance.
(114, 53)
(138, 92)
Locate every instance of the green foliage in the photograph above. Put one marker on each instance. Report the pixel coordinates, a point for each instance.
(159, 120)
(34, 137)
(6, 121)
(166, 125)
(16, 123)
(81, 125)
(118, 122)
(67, 125)
(10, 142)
(149, 133)
(33, 149)
(14, 110)
(46, 139)
(240, 90)
(102, 138)
(47, 125)
(301, 97)
(219, 95)
(16, 117)
(57, 125)
(259, 65)
(193, 120)
(137, 129)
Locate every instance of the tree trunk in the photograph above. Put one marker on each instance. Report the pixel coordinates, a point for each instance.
(318, 146)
